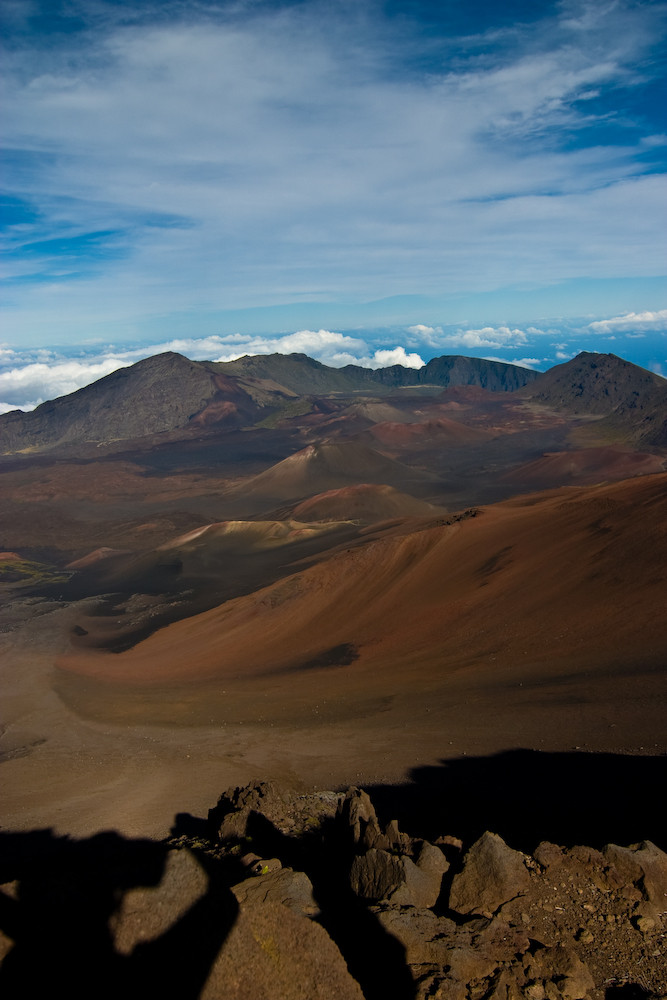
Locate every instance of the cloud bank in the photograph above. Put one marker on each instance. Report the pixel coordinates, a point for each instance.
(632, 323)
(28, 378)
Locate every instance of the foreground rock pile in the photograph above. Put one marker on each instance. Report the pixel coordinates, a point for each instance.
(282, 896)
(429, 920)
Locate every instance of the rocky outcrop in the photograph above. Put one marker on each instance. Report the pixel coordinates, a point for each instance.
(296, 897)
(487, 922)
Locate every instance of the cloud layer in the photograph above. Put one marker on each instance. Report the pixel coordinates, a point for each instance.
(167, 162)
(28, 378)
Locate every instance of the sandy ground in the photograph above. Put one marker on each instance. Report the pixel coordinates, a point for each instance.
(67, 770)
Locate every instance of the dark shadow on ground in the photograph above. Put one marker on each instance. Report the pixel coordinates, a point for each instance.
(57, 914)
(374, 958)
(527, 796)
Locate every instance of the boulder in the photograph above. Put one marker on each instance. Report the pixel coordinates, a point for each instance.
(559, 966)
(645, 864)
(421, 932)
(492, 874)
(282, 885)
(379, 875)
(273, 952)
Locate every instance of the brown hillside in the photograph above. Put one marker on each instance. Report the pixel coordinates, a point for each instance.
(427, 434)
(326, 466)
(588, 465)
(367, 502)
(528, 590)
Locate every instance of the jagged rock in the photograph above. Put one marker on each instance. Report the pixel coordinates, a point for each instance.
(645, 864)
(420, 931)
(292, 889)
(502, 939)
(374, 837)
(559, 966)
(391, 839)
(378, 875)
(234, 825)
(289, 812)
(492, 874)
(548, 854)
(356, 812)
(398, 840)
(622, 867)
(262, 948)
(466, 964)
(505, 987)
(437, 988)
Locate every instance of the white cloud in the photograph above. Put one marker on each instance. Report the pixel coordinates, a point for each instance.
(397, 356)
(25, 385)
(30, 385)
(632, 321)
(488, 336)
(284, 154)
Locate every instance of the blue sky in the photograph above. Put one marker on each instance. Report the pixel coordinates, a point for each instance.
(364, 181)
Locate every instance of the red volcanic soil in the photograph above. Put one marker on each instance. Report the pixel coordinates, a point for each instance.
(428, 433)
(326, 466)
(367, 502)
(557, 594)
(539, 623)
(95, 557)
(587, 465)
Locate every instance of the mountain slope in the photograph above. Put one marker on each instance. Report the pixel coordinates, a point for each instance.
(168, 393)
(327, 466)
(367, 503)
(565, 581)
(302, 374)
(157, 394)
(633, 400)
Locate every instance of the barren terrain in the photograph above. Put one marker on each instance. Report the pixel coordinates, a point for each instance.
(342, 591)
(450, 594)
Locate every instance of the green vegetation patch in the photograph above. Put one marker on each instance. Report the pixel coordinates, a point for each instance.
(26, 571)
(295, 408)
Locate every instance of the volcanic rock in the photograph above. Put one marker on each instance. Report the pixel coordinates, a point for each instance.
(378, 875)
(492, 874)
(292, 889)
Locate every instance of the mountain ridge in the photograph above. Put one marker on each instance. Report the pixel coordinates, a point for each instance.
(608, 386)
(168, 392)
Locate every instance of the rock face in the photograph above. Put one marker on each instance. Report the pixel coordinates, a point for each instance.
(314, 897)
(603, 384)
(488, 923)
(492, 874)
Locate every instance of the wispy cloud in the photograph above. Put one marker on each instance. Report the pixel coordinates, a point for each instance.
(172, 160)
(632, 323)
